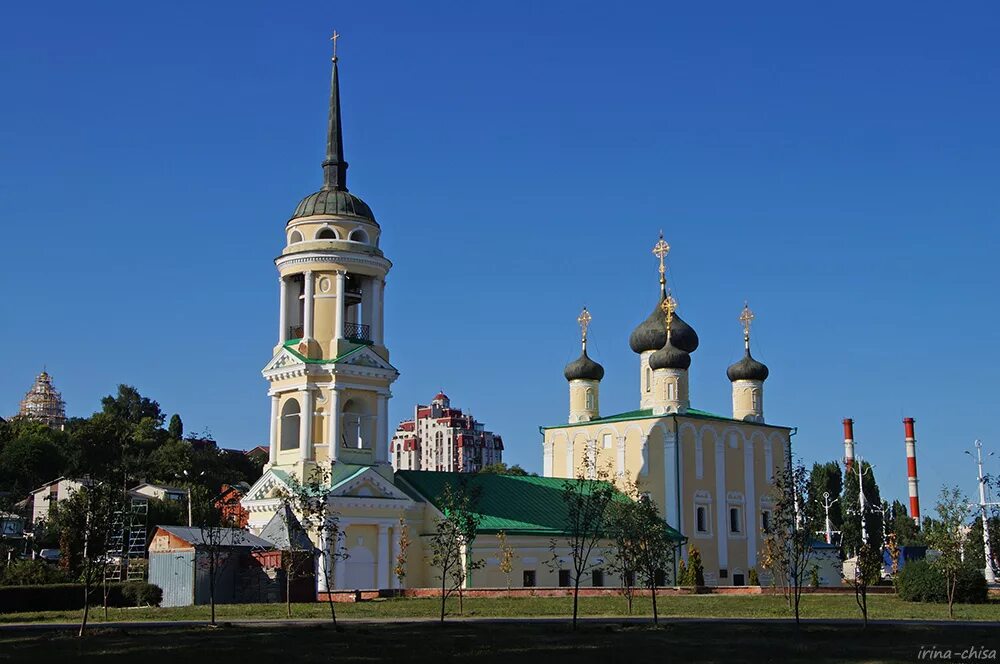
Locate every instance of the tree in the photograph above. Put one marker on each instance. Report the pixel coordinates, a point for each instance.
(85, 521)
(313, 501)
(974, 552)
(644, 546)
(500, 468)
(454, 532)
(176, 427)
(823, 478)
(586, 499)
(401, 556)
(788, 546)
(506, 556)
(948, 534)
(33, 455)
(851, 538)
(218, 539)
(131, 407)
(906, 531)
(867, 572)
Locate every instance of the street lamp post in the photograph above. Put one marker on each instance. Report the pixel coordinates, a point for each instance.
(987, 551)
(188, 475)
(861, 500)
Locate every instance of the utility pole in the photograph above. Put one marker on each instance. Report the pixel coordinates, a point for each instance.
(987, 551)
(827, 504)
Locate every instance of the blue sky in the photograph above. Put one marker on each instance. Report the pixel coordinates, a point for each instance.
(836, 166)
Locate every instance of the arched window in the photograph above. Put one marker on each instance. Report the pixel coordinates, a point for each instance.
(290, 425)
(671, 391)
(358, 430)
(358, 235)
(649, 379)
(590, 400)
(294, 237)
(755, 399)
(326, 233)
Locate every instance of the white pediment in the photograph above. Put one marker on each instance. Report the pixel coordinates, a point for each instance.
(370, 484)
(283, 363)
(366, 357)
(269, 486)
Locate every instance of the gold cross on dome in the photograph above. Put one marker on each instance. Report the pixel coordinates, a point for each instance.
(334, 38)
(669, 306)
(746, 318)
(660, 250)
(584, 321)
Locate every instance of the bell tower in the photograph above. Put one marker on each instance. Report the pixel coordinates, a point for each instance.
(330, 374)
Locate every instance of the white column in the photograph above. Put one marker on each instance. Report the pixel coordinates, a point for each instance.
(670, 506)
(644, 469)
(273, 455)
(308, 306)
(306, 426)
(382, 580)
(570, 470)
(333, 425)
(722, 511)
(322, 565)
(750, 492)
(282, 310)
(377, 286)
(382, 429)
(547, 446)
(381, 312)
(367, 297)
(341, 309)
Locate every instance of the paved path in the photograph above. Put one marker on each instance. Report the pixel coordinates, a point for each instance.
(284, 622)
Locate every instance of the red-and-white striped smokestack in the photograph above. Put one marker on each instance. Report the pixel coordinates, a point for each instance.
(911, 468)
(848, 442)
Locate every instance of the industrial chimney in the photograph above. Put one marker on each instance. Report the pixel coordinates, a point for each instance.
(848, 443)
(911, 469)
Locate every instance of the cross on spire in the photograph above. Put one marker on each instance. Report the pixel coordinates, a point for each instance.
(746, 318)
(584, 321)
(669, 306)
(660, 250)
(334, 38)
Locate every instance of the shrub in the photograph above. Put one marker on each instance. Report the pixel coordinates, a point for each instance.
(31, 573)
(753, 578)
(69, 596)
(696, 572)
(920, 581)
(140, 593)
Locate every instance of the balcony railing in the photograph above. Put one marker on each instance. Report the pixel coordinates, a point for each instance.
(358, 333)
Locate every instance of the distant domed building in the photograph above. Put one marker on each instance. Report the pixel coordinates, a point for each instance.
(443, 438)
(43, 403)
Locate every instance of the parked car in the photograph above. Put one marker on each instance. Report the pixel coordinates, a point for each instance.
(50, 555)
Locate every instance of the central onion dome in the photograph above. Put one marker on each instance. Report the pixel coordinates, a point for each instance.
(583, 368)
(651, 334)
(747, 369)
(670, 356)
(332, 201)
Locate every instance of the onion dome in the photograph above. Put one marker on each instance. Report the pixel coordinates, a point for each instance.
(334, 198)
(747, 369)
(583, 368)
(651, 334)
(670, 356)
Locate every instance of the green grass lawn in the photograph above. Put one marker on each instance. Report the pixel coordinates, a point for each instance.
(415, 643)
(691, 606)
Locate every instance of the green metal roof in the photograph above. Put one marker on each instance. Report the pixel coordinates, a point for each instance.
(517, 505)
(290, 347)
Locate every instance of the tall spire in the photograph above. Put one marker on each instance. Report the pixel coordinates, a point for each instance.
(335, 166)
